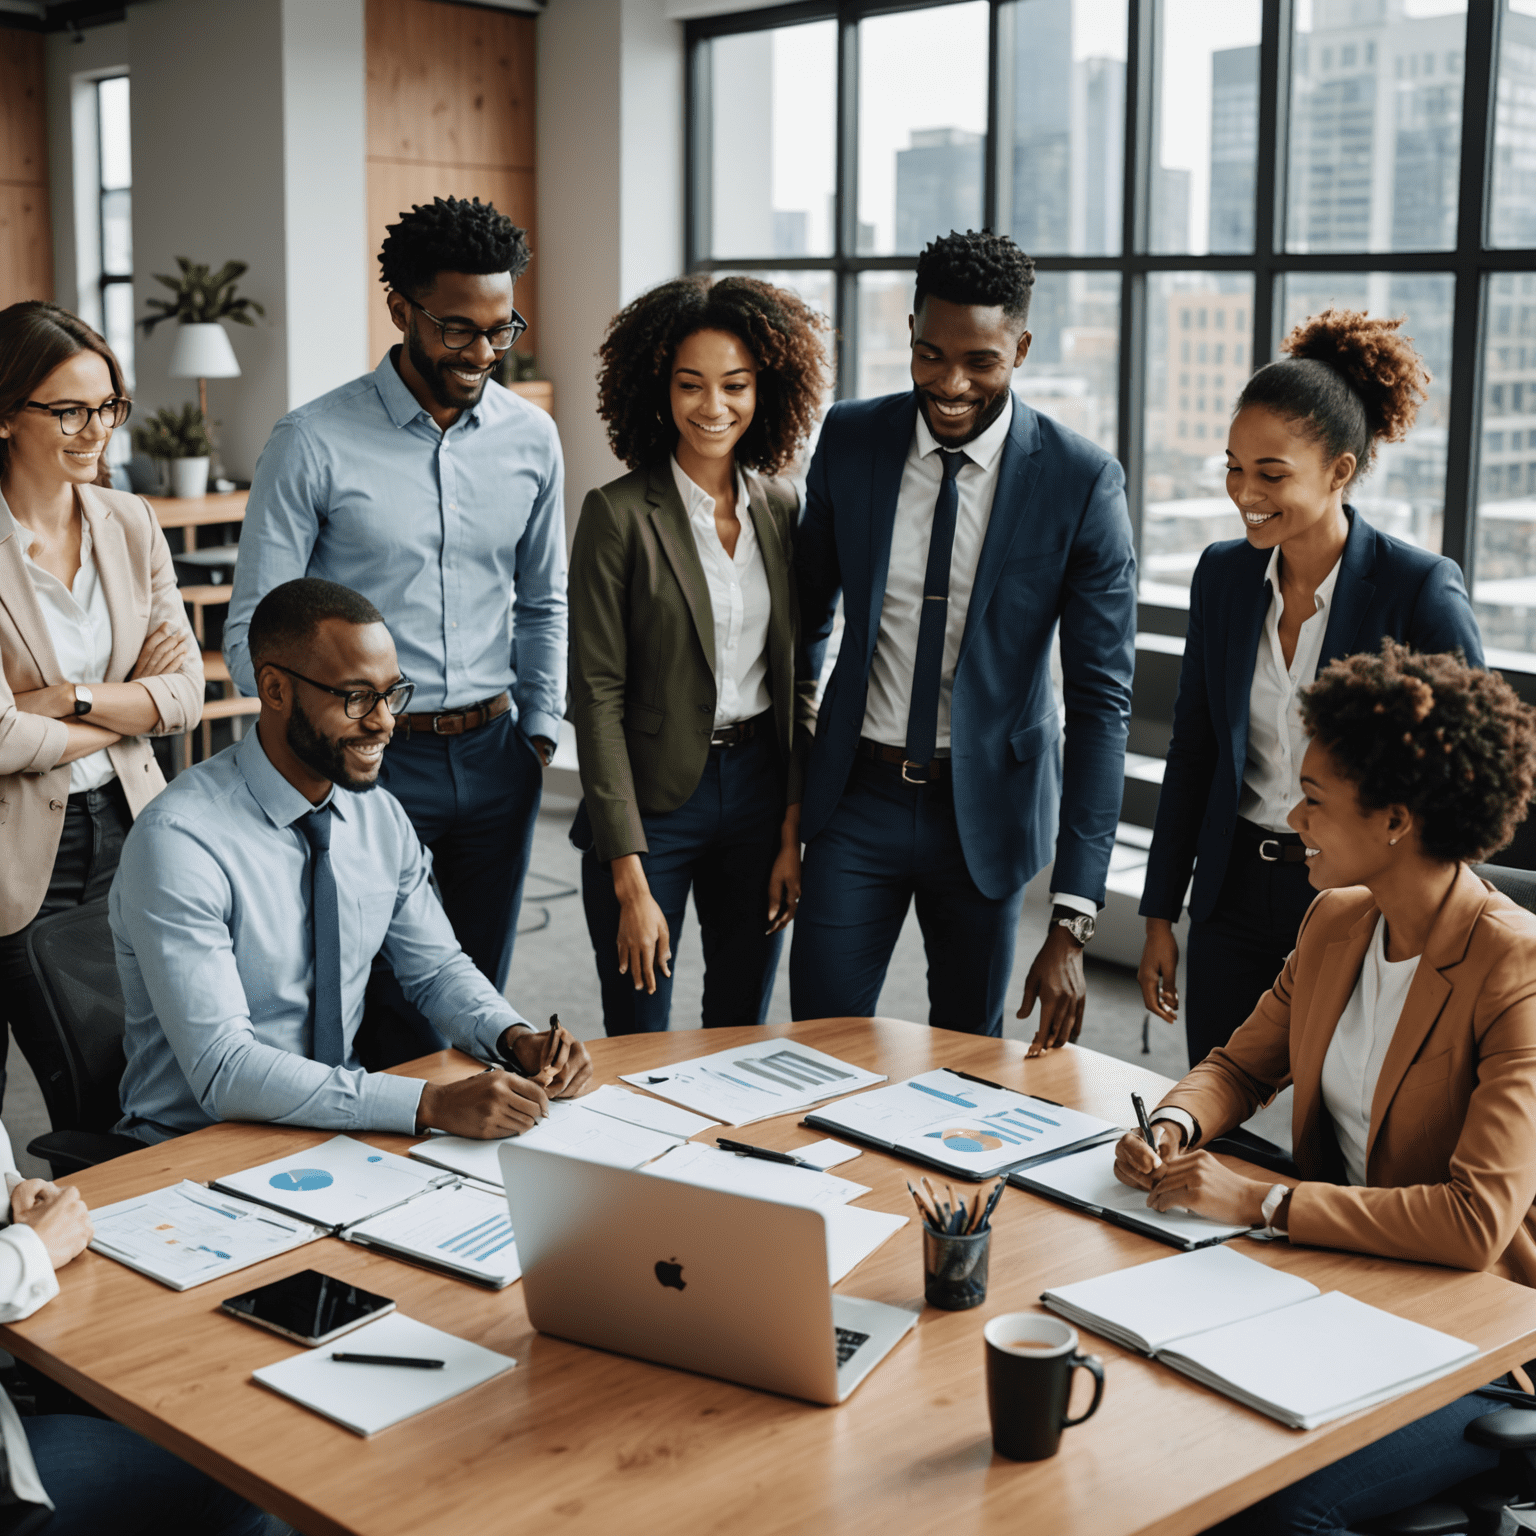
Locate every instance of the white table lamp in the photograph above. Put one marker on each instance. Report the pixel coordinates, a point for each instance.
(203, 352)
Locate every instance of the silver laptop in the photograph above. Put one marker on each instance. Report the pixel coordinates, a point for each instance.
(709, 1281)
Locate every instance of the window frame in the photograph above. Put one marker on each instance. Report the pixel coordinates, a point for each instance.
(1471, 262)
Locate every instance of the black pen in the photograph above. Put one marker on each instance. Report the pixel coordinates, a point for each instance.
(768, 1155)
(1144, 1123)
(413, 1361)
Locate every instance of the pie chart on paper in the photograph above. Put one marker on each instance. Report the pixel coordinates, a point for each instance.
(968, 1140)
(301, 1178)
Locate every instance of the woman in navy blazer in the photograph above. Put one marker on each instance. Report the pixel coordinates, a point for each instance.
(1310, 582)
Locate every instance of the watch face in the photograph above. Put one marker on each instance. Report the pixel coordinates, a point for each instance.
(83, 700)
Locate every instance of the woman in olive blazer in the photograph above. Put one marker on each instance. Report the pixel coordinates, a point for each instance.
(691, 719)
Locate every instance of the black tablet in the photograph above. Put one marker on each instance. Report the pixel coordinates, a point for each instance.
(309, 1307)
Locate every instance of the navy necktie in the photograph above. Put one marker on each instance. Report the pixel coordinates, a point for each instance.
(328, 1047)
(928, 666)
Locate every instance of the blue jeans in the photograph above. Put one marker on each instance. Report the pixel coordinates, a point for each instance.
(103, 1477)
(722, 841)
(1408, 1466)
(888, 843)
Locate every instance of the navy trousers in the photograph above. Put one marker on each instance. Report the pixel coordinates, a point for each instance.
(890, 843)
(1233, 957)
(722, 842)
(473, 800)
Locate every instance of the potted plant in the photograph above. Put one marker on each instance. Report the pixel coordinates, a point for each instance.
(178, 438)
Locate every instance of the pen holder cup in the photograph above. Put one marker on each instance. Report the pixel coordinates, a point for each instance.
(955, 1269)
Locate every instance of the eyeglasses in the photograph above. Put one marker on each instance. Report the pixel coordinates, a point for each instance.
(359, 703)
(457, 335)
(72, 418)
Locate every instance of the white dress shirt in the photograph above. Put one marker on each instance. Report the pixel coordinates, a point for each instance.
(1276, 740)
(81, 631)
(739, 600)
(1359, 1045)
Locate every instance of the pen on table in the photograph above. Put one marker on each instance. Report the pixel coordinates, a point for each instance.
(768, 1155)
(1144, 1123)
(413, 1361)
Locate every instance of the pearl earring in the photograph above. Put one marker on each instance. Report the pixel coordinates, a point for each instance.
(1391, 842)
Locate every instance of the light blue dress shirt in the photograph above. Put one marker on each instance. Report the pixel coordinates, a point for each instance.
(457, 537)
(210, 913)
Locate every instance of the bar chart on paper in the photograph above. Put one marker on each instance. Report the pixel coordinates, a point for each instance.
(465, 1228)
(754, 1082)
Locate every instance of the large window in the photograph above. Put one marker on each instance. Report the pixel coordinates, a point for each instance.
(1192, 177)
(115, 216)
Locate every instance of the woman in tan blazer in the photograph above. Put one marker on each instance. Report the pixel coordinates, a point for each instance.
(1405, 1018)
(95, 651)
(691, 719)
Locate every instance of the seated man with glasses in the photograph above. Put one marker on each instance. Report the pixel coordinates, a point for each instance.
(254, 892)
(438, 495)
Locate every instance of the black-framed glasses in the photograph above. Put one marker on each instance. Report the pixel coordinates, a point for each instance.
(457, 334)
(359, 703)
(72, 418)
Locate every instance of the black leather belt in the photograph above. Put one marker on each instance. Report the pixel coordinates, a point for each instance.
(915, 774)
(1272, 847)
(742, 730)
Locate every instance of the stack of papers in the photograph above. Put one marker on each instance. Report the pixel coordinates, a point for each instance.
(1264, 1337)
(368, 1398)
(853, 1233)
(608, 1126)
(961, 1125)
(464, 1229)
(185, 1235)
(755, 1082)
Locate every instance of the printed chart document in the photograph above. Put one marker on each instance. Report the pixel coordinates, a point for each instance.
(1086, 1181)
(641, 1109)
(462, 1228)
(335, 1184)
(570, 1128)
(852, 1232)
(368, 1398)
(1264, 1337)
(963, 1127)
(186, 1234)
(755, 1082)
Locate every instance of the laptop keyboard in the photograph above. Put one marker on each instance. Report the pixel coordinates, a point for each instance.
(848, 1343)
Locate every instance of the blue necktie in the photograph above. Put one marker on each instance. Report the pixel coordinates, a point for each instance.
(328, 1047)
(928, 666)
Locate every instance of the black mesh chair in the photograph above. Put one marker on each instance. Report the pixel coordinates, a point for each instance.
(79, 1071)
(1518, 884)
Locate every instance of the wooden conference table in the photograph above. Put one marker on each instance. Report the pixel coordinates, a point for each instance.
(580, 1441)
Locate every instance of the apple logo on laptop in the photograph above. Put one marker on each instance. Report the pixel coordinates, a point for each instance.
(671, 1273)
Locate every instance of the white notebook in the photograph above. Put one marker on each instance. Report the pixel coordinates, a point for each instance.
(1260, 1335)
(368, 1398)
(1086, 1181)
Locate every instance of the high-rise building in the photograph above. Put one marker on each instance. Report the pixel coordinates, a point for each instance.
(1208, 341)
(1234, 148)
(938, 185)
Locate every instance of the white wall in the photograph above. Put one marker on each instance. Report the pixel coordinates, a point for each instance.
(610, 177)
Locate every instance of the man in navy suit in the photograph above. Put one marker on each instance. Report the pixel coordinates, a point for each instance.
(960, 526)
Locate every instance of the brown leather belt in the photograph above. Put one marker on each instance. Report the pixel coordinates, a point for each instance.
(916, 774)
(453, 722)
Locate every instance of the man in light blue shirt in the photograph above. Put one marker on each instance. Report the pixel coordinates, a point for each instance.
(255, 891)
(438, 495)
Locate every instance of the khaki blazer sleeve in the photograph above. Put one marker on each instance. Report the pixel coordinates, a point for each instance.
(599, 650)
(1469, 1220)
(178, 695)
(785, 502)
(28, 743)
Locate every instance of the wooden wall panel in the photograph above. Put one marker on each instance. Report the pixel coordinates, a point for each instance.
(26, 240)
(450, 113)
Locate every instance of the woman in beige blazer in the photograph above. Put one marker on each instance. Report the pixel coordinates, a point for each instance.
(95, 651)
(691, 718)
(1405, 1018)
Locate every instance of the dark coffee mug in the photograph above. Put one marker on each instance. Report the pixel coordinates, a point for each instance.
(1030, 1362)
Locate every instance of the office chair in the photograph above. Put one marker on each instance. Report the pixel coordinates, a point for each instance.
(74, 963)
(1518, 884)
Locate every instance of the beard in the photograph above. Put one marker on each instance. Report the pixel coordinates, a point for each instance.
(321, 754)
(994, 408)
(445, 389)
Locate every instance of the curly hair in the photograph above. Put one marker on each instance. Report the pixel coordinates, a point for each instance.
(976, 268)
(783, 334)
(1452, 743)
(450, 236)
(1350, 380)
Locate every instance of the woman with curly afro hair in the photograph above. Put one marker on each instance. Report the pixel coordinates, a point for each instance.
(1405, 1018)
(1309, 581)
(691, 720)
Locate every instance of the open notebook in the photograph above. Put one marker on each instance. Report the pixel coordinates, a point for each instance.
(1264, 1337)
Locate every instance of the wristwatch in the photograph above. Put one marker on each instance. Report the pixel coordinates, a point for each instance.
(83, 699)
(1079, 924)
(1271, 1207)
